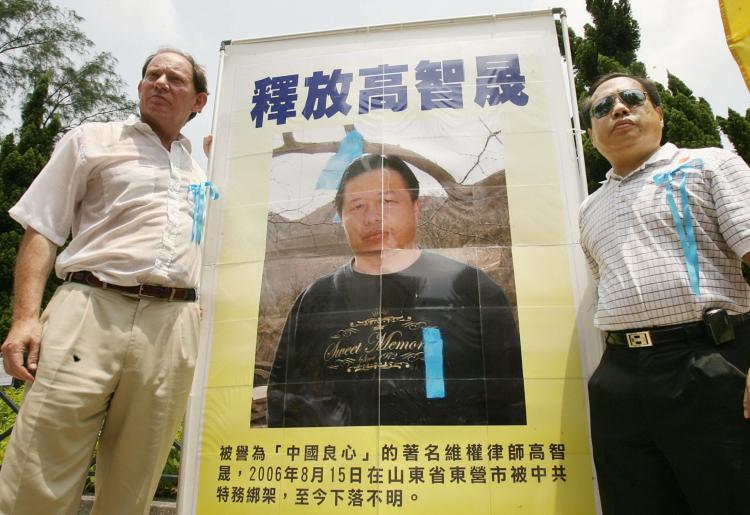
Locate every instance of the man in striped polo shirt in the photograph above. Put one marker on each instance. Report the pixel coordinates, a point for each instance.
(665, 236)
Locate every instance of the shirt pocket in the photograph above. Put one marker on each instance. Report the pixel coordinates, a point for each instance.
(127, 187)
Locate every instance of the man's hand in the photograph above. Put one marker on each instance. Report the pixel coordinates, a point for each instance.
(36, 256)
(207, 141)
(24, 337)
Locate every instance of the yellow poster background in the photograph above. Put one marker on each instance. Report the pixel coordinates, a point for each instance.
(543, 467)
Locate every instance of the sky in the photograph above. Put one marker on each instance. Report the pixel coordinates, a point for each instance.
(688, 41)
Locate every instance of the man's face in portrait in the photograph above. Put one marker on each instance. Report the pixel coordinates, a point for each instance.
(378, 212)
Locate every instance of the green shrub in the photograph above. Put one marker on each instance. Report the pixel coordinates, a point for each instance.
(7, 415)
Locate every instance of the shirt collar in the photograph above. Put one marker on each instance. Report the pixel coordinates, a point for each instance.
(134, 121)
(665, 153)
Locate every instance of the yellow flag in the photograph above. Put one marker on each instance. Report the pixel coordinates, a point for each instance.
(736, 17)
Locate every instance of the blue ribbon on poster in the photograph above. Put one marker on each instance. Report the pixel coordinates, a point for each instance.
(683, 221)
(433, 363)
(350, 148)
(199, 191)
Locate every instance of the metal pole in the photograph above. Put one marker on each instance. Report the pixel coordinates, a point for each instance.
(189, 462)
(583, 183)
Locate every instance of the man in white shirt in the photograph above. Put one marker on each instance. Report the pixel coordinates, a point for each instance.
(115, 348)
(665, 235)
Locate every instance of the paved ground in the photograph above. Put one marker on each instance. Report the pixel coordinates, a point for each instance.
(157, 507)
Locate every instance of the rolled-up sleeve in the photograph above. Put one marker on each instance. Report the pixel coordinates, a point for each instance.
(730, 189)
(50, 204)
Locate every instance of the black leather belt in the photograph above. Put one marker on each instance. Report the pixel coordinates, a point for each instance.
(638, 338)
(151, 291)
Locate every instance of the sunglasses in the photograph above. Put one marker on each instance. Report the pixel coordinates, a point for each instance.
(629, 97)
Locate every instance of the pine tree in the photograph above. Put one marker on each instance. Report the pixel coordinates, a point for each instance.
(609, 45)
(689, 122)
(737, 129)
(21, 159)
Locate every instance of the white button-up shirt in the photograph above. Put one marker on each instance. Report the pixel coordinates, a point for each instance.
(126, 200)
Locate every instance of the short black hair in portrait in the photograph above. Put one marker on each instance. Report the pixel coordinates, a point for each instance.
(370, 162)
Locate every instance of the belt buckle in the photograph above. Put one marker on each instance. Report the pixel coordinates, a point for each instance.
(638, 340)
(142, 294)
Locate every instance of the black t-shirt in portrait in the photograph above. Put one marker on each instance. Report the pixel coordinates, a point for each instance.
(352, 351)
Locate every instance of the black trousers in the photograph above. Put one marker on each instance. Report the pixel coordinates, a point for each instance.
(668, 430)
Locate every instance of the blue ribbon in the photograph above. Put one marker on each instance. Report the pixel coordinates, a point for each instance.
(350, 148)
(433, 363)
(683, 221)
(199, 206)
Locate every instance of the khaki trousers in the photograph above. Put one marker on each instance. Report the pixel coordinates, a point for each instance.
(109, 363)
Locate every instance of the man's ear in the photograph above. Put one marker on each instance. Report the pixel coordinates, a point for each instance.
(200, 102)
(659, 110)
(417, 210)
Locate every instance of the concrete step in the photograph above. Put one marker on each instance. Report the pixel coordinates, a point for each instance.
(157, 507)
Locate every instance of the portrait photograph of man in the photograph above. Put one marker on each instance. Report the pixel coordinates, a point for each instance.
(393, 327)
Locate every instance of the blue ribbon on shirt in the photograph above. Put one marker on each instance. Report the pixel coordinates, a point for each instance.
(683, 221)
(199, 206)
(433, 363)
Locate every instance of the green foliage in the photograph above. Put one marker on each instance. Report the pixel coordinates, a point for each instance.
(596, 165)
(586, 60)
(737, 129)
(617, 34)
(677, 87)
(89, 92)
(688, 122)
(172, 466)
(20, 162)
(166, 488)
(8, 244)
(572, 39)
(614, 36)
(7, 415)
(40, 39)
(34, 36)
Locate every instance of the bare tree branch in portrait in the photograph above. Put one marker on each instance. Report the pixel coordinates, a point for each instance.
(468, 214)
(454, 189)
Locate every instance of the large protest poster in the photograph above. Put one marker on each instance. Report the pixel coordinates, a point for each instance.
(450, 380)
